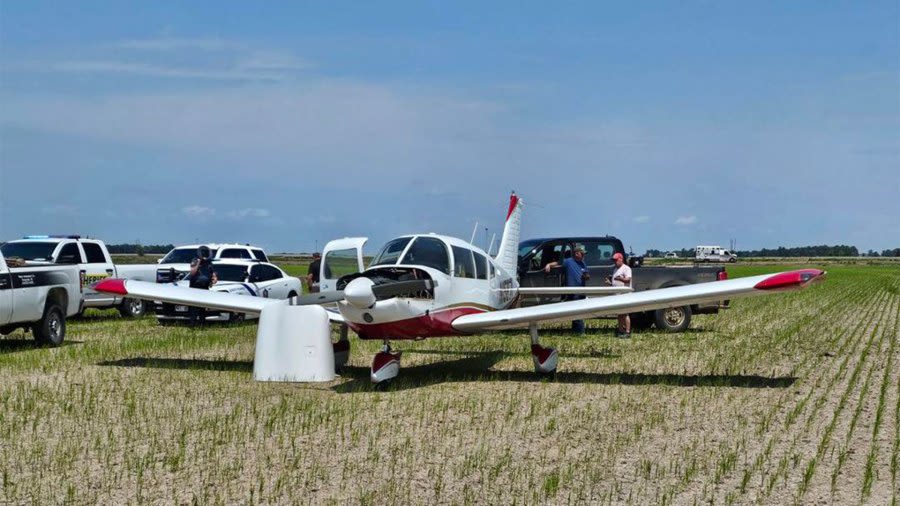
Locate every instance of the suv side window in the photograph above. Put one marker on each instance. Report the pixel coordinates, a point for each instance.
(94, 253)
(236, 253)
(264, 273)
(69, 254)
(598, 253)
(260, 255)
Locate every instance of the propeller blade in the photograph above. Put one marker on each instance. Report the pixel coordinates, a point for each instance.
(317, 298)
(398, 288)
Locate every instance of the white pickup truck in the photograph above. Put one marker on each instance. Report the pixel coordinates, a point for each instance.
(39, 298)
(94, 264)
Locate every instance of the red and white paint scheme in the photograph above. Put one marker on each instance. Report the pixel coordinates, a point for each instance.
(429, 285)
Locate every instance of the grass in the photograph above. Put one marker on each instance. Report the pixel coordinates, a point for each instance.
(793, 398)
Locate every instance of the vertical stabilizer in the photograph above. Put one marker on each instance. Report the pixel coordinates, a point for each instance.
(508, 254)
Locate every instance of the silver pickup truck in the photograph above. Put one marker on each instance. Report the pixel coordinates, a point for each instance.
(38, 298)
(93, 261)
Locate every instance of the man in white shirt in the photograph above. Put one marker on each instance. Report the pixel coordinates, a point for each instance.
(621, 276)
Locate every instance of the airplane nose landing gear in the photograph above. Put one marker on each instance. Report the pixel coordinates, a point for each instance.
(545, 359)
(385, 365)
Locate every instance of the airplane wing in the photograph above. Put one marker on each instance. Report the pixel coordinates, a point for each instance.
(642, 301)
(573, 290)
(167, 292)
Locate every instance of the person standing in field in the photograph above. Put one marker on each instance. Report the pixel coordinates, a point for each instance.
(202, 276)
(576, 274)
(621, 276)
(312, 275)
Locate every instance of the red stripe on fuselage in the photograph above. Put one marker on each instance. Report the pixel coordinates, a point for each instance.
(436, 324)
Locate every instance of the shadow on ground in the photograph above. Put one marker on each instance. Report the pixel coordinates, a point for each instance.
(476, 367)
(14, 345)
(182, 363)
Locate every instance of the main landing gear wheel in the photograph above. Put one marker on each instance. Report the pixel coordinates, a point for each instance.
(545, 359)
(341, 351)
(385, 365)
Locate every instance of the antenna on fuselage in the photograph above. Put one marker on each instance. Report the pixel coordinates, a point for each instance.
(474, 231)
(491, 247)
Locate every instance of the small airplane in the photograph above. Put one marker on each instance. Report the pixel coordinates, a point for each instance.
(429, 285)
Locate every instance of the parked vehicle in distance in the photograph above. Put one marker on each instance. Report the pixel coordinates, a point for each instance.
(39, 298)
(94, 263)
(713, 254)
(244, 277)
(534, 254)
(177, 263)
(671, 254)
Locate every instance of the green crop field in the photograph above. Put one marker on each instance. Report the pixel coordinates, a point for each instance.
(787, 399)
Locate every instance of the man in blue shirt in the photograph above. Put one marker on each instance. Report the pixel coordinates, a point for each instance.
(576, 274)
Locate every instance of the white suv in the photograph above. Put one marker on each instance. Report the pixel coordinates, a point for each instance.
(177, 263)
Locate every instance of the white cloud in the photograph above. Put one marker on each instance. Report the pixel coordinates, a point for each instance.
(686, 220)
(176, 43)
(641, 219)
(198, 211)
(165, 71)
(248, 213)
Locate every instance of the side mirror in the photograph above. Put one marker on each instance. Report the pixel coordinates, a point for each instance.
(159, 260)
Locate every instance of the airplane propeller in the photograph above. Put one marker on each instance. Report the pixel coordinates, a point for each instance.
(362, 292)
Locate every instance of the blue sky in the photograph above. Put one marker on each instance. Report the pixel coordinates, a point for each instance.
(283, 124)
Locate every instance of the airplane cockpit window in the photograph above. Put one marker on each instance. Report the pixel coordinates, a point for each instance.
(391, 252)
(429, 252)
(464, 263)
(481, 266)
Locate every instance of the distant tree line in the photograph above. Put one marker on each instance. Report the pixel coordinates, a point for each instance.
(138, 249)
(801, 251)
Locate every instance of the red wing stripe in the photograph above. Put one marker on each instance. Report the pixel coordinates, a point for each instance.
(112, 285)
(789, 279)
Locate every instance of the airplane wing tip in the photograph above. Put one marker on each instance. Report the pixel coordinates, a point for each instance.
(791, 279)
(112, 285)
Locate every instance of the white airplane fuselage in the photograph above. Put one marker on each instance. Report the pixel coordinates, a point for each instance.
(431, 314)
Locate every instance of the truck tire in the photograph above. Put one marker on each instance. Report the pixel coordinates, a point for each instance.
(673, 319)
(51, 329)
(132, 308)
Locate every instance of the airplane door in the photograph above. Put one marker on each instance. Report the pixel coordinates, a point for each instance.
(340, 257)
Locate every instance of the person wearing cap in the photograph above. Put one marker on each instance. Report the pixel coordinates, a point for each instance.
(621, 276)
(202, 276)
(576, 274)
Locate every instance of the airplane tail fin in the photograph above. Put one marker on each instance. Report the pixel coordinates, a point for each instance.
(508, 254)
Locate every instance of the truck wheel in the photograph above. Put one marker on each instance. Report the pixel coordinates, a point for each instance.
(673, 319)
(51, 329)
(132, 308)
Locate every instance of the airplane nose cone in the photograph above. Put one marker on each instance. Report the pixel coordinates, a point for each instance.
(358, 293)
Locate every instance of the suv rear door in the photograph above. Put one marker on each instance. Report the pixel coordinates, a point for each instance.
(96, 267)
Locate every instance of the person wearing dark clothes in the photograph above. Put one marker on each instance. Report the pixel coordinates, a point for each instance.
(202, 276)
(312, 275)
(576, 274)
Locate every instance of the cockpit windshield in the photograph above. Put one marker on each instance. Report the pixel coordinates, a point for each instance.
(428, 252)
(391, 252)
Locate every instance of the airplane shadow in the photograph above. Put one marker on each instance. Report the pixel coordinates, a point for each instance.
(14, 345)
(182, 363)
(477, 368)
